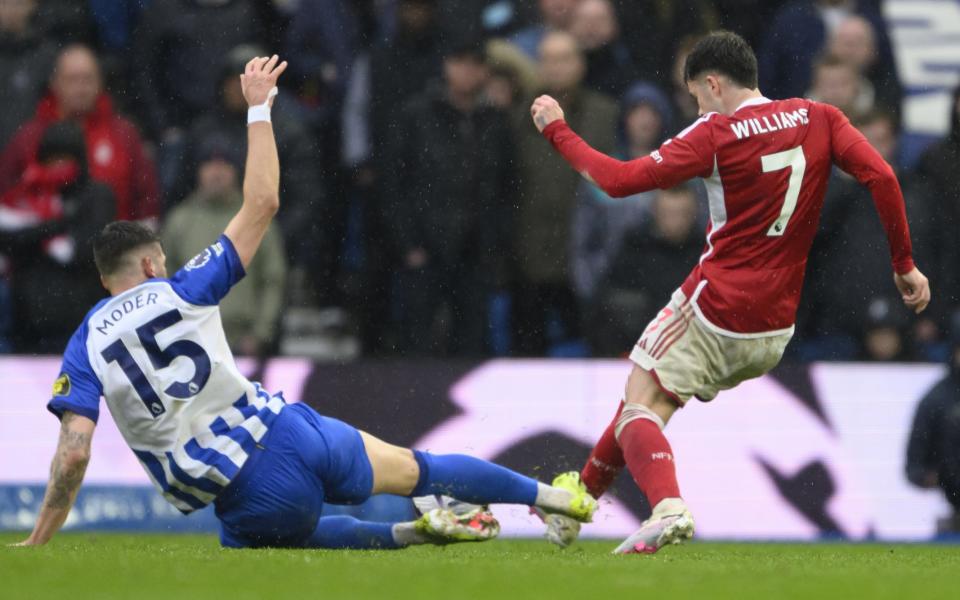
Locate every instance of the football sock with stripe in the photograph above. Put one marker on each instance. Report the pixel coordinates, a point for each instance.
(649, 459)
(605, 461)
(472, 480)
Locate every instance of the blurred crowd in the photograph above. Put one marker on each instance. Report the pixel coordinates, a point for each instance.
(416, 194)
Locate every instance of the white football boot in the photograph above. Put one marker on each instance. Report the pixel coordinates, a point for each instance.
(670, 523)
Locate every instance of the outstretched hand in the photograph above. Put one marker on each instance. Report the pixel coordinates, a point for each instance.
(259, 77)
(914, 288)
(545, 110)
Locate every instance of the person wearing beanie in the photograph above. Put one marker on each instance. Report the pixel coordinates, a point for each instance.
(251, 311)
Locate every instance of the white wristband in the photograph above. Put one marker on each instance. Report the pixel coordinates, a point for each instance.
(261, 112)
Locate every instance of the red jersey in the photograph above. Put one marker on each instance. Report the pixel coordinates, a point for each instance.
(765, 169)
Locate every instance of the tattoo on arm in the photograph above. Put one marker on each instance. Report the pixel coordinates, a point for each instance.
(67, 475)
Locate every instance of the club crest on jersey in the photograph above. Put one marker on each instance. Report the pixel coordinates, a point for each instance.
(61, 387)
(204, 257)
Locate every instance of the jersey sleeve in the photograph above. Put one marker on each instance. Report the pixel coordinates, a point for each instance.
(690, 154)
(77, 389)
(853, 153)
(206, 279)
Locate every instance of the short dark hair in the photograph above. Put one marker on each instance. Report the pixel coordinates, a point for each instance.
(116, 240)
(726, 53)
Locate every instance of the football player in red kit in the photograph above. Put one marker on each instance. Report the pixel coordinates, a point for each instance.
(765, 164)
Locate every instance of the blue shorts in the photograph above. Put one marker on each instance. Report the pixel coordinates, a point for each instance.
(305, 459)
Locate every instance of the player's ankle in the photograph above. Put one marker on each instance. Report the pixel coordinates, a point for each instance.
(669, 506)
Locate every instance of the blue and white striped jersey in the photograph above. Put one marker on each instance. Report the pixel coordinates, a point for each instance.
(158, 355)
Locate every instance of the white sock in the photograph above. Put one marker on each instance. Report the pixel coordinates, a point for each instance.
(553, 499)
(406, 534)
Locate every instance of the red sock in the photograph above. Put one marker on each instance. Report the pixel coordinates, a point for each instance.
(650, 460)
(605, 461)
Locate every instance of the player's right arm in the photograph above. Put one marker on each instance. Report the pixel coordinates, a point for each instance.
(261, 182)
(76, 401)
(854, 154)
(684, 157)
(66, 474)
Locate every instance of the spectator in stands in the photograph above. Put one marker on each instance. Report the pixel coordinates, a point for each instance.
(514, 77)
(610, 68)
(451, 182)
(403, 67)
(684, 105)
(601, 222)
(251, 310)
(837, 83)
(547, 198)
(855, 42)
(382, 81)
(47, 223)
(179, 46)
(799, 33)
(115, 150)
(849, 265)
(933, 452)
(884, 335)
(554, 15)
(303, 192)
(939, 170)
(650, 263)
(26, 60)
(653, 31)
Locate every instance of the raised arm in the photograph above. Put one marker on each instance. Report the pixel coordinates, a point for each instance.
(261, 182)
(66, 475)
(676, 161)
(854, 154)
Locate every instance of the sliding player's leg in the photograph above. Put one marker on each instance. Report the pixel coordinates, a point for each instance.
(437, 527)
(407, 472)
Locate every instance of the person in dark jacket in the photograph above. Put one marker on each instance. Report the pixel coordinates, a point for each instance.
(600, 222)
(651, 263)
(546, 311)
(26, 60)
(938, 170)
(610, 68)
(303, 192)
(178, 50)
(800, 32)
(47, 222)
(450, 180)
(933, 452)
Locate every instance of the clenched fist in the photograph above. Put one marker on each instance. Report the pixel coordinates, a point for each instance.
(259, 77)
(545, 110)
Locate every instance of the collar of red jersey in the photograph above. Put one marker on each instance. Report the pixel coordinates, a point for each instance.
(754, 102)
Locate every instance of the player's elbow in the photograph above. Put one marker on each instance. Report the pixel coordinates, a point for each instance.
(266, 204)
(75, 458)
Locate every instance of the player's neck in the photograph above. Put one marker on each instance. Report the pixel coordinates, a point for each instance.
(737, 97)
(119, 286)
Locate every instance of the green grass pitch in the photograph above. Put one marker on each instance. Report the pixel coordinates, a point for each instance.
(107, 566)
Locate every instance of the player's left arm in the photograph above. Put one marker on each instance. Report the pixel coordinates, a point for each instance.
(677, 160)
(261, 182)
(66, 474)
(854, 154)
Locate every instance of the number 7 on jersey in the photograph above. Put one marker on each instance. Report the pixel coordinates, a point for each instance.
(794, 160)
